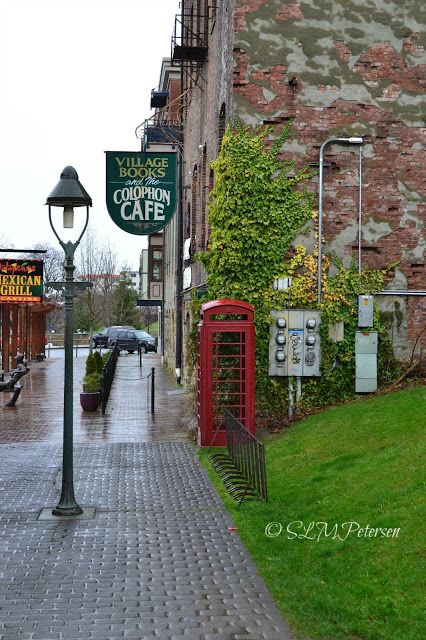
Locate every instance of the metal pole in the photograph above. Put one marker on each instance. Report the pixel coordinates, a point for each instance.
(290, 398)
(152, 389)
(320, 196)
(351, 140)
(68, 193)
(402, 292)
(360, 210)
(298, 388)
(67, 505)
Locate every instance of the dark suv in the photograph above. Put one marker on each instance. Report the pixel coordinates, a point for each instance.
(132, 340)
(101, 339)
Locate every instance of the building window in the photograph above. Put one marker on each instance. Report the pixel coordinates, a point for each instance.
(157, 271)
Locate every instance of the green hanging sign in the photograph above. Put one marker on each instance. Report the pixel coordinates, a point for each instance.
(140, 190)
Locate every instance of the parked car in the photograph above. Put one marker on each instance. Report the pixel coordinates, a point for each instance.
(102, 338)
(147, 341)
(132, 340)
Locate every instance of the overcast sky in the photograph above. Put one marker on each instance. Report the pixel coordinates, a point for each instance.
(76, 79)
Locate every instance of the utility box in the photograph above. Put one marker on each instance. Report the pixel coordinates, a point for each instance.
(365, 361)
(294, 343)
(365, 311)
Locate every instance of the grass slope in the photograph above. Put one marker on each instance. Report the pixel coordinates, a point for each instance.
(362, 463)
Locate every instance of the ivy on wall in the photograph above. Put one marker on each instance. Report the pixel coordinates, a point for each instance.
(255, 212)
(257, 207)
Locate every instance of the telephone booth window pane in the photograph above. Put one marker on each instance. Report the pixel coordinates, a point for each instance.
(228, 375)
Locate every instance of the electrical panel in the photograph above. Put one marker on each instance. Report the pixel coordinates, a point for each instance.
(294, 343)
(365, 361)
(365, 311)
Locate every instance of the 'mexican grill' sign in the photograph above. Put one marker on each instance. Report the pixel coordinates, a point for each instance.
(21, 280)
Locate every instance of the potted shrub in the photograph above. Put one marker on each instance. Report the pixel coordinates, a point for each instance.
(91, 396)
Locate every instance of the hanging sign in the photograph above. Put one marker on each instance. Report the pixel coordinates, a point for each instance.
(140, 190)
(21, 280)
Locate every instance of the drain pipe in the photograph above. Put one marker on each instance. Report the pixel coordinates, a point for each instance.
(360, 209)
(351, 140)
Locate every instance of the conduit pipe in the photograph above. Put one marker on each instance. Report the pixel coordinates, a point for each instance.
(401, 292)
(359, 209)
(351, 140)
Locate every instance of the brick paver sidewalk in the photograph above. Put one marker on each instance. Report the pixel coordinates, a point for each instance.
(157, 560)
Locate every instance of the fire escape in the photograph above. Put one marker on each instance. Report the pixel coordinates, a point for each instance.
(190, 43)
(189, 40)
(188, 53)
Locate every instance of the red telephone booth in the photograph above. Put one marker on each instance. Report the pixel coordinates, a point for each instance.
(226, 368)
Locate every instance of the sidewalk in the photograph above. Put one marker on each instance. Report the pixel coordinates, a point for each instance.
(157, 559)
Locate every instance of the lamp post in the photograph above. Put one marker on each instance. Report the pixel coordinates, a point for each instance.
(68, 193)
(352, 140)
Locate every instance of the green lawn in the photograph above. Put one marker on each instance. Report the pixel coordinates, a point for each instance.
(152, 329)
(362, 463)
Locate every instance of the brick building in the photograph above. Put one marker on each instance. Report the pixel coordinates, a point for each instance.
(336, 69)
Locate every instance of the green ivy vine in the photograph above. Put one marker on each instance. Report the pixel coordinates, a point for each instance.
(257, 207)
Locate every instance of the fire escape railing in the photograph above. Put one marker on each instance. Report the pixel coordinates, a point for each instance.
(189, 39)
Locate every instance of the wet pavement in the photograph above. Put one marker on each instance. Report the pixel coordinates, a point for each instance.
(156, 560)
(38, 415)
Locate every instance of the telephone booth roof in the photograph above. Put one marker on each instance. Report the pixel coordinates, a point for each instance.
(226, 305)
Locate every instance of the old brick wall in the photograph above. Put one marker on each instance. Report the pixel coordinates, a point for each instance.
(339, 69)
(209, 92)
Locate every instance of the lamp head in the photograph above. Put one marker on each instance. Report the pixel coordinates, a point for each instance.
(69, 192)
(355, 140)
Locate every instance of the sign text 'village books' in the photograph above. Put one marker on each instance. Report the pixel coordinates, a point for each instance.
(140, 190)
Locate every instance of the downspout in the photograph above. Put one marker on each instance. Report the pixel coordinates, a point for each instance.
(179, 222)
(179, 283)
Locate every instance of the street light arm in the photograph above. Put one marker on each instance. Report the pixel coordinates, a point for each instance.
(69, 247)
(351, 140)
(53, 227)
(85, 225)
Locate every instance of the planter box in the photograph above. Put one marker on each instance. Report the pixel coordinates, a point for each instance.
(90, 401)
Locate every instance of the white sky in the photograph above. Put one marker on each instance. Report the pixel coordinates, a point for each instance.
(75, 81)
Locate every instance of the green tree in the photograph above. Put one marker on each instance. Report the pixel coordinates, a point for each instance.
(96, 263)
(124, 309)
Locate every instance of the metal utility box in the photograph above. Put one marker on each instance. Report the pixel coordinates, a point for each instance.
(365, 361)
(225, 368)
(365, 311)
(294, 343)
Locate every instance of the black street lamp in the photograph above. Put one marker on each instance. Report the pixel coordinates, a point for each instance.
(68, 193)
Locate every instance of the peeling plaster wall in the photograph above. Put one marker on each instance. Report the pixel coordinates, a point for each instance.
(341, 68)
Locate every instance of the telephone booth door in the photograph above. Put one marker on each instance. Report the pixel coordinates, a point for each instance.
(226, 368)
